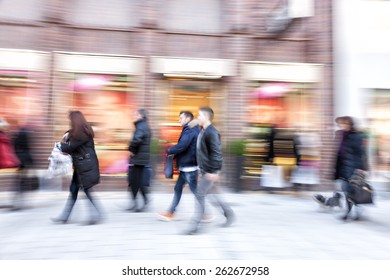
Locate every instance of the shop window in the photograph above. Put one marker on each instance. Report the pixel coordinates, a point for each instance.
(114, 13)
(186, 96)
(108, 103)
(175, 95)
(282, 130)
(192, 16)
(379, 134)
(21, 10)
(21, 96)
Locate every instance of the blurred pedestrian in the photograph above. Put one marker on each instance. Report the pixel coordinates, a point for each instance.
(79, 143)
(209, 159)
(351, 156)
(25, 181)
(139, 149)
(8, 158)
(185, 154)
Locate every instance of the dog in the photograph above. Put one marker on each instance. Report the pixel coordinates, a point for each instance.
(333, 201)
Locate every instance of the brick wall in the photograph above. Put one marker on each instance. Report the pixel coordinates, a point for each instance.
(243, 37)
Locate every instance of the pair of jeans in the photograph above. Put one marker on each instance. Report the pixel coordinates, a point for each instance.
(208, 188)
(74, 190)
(347, 189)
(191, 178)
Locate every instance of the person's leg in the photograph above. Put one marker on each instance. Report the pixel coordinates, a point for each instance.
(178, 191)
(202, 190)
(95, 214)
(136, 181)
(217, 200)
(142, 185)
(74, 190)
(192, 180)
(20, 180)
(347, 190)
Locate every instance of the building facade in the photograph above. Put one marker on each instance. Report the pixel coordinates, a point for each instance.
(362, 61)
(263, 66)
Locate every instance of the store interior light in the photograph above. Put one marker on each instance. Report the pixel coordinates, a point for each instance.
(193, 76)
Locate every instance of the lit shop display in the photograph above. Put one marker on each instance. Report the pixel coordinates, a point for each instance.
(21, 96)
(283, 132)
(379, 133)
(108, 103)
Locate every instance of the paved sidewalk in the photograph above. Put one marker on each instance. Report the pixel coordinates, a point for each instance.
(268, 226)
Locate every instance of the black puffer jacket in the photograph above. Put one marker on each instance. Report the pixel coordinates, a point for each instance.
(85, 161)
(140, 144)
(209, 150)
(351, 154)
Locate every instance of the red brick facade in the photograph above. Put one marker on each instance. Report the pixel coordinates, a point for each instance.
(242, 37)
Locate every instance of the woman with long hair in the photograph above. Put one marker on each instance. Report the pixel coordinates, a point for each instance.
(79, 143)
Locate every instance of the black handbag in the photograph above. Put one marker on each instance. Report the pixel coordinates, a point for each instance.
(362, 192)
(168, 170)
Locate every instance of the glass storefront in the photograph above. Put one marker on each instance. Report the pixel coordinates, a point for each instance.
(108, 102)
(283, 130)
(378, 115)
(21, 94)
(175, 95)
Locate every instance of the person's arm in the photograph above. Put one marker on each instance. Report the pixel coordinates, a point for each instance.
(138, 137)
(72, 145)
(181, 146)
(215, 152)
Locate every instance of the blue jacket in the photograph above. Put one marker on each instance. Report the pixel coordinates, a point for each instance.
(185, 149)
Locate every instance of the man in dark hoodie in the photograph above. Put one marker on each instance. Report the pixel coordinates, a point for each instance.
(185, 154)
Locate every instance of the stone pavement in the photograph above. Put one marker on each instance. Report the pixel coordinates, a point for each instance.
(268, 226)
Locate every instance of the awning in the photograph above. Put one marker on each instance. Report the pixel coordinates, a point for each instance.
(98, 63)
(28, 60)
(282, 72)
(193, 67)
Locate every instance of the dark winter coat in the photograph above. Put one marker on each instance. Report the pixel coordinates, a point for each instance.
(22, 145)
(209, 150)
(185, 149)
(85, 161)
(351, 154)
(140, 144)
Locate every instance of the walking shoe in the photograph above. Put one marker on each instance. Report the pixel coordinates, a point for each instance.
(191, 231)
(58, 220)
(333, 201)
(165, 216)
(319, 198)
(207, 218)
(230, 218)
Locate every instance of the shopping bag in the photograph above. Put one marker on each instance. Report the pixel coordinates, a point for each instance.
(362, 192)
(272, 176)
(60, 163)
(168, 169)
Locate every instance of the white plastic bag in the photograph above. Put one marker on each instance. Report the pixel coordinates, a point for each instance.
(60, 163)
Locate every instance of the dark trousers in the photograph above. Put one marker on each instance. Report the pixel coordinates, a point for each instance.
(74, 191)
(136, 182)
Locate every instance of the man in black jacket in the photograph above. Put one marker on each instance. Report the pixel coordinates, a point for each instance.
(209, 158)
(185, 153)
(139, 149)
